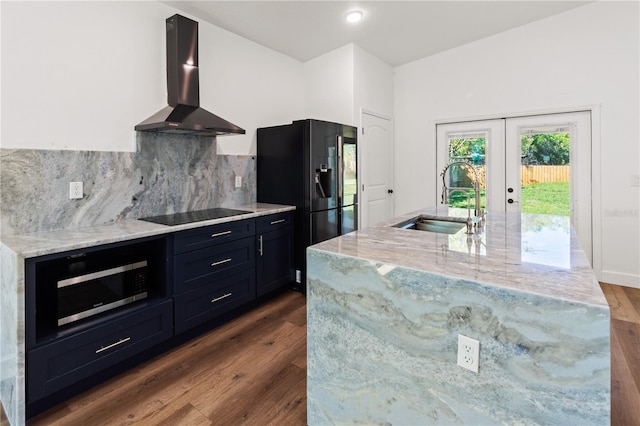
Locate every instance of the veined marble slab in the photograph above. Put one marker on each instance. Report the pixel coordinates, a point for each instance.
(167, 174)
(385, 307)
(532, 253)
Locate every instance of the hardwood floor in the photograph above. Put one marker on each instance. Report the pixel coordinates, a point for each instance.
(253, 371)
(624, 303)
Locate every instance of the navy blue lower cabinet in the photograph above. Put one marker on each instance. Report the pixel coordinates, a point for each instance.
(195, 307)
(199, 268)
(194, 276)
(275, 247)
(198, 238)
(56, 365)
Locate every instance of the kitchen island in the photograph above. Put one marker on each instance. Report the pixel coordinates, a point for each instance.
(386, 306)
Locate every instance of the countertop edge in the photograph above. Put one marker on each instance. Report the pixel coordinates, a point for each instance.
(61, 240)
(383, 244)
(465, 278)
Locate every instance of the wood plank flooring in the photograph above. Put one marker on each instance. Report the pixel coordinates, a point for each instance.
(624, 303)
(253, 371)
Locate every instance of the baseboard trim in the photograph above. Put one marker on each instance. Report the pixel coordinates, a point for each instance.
(627, 280)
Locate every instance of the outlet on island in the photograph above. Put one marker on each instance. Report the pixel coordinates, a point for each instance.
(238, 181)
(468, 353)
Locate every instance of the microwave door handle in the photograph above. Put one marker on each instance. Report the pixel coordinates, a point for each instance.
(100, 274)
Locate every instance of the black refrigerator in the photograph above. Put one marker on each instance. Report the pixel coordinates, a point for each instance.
(311, 164)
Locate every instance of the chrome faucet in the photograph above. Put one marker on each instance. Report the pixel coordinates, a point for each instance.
(446, 191)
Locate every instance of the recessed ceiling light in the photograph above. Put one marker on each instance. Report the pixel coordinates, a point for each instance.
(354, 16)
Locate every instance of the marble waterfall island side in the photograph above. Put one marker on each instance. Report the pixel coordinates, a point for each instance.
(386, 305)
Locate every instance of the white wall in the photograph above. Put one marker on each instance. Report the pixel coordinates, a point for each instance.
(584, 57)
(373, 84)
(339, 84)
(328, 81)
(250, 85)
(81, 75)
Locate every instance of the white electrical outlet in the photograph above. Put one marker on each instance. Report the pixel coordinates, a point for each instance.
(468, 353)
(238, 181)
(75, 190)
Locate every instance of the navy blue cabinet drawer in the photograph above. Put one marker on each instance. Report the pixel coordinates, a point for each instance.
(197, 306)
(274, 222)
(54, 366)
(198, 238)
(201, 267)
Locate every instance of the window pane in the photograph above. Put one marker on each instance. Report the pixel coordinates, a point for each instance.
(545, 178)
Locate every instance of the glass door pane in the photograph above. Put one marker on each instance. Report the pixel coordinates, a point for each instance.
(469, 148)
(545, 171)
(548, 168)
(480, 143)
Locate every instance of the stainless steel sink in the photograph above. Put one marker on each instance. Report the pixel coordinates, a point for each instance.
(440, 224)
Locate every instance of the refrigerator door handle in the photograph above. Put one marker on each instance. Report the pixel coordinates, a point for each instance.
(340, 171)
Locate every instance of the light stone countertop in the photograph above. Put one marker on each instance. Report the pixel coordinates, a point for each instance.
(537, 254)
(61, 240)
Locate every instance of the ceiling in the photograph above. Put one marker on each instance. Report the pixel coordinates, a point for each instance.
(396, 32)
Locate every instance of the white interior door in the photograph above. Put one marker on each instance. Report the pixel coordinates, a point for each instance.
(376, 152)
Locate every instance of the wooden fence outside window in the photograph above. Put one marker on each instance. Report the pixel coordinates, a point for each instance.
(530, 174)
(538, 174)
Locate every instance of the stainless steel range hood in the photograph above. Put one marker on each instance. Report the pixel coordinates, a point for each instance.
(184, 115)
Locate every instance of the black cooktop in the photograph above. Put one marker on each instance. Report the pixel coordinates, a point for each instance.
(194, 216)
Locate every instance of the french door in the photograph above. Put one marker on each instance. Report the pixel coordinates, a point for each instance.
(533, 164)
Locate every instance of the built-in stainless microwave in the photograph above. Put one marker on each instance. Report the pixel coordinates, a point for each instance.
(87, 291)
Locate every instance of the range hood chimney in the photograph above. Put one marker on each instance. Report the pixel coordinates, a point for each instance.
(184, 115)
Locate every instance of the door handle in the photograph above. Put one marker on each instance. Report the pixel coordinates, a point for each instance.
(260, 245)
(511, 201)
(389, 191)
(340, 171)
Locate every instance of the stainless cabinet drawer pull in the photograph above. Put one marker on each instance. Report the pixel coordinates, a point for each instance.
(260, 245)
(224, 296)
(275, 222)
(119, 342)
(220, 262)
(220, 234)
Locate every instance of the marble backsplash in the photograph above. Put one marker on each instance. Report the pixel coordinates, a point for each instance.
(167, 174)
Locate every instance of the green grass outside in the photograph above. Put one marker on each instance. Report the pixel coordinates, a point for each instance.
(547, 198)
(540, 198)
